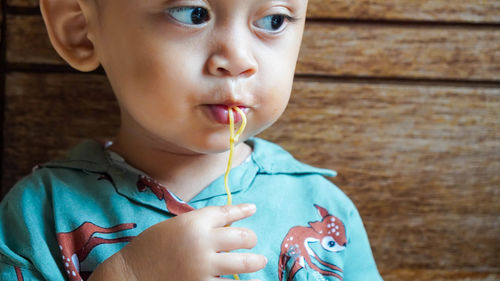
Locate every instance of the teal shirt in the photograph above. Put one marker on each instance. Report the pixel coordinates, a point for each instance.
(63, 220)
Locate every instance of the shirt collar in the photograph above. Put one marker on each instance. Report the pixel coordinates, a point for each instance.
(266, 158)
(272, 159)
(87, 156)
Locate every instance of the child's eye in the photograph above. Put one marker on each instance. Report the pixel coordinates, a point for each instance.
(189, 15)
(273, 23)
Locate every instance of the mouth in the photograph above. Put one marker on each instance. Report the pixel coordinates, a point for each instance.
(219, 113)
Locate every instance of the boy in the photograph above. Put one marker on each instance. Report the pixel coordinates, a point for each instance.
(150, 204)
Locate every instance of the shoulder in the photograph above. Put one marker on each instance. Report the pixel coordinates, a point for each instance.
(32, 199)
(35, 190)
(273, 159)
(29, 211)
(31, 193)
(24, 218)
(50, 177)
(310, 216)
(282, 177)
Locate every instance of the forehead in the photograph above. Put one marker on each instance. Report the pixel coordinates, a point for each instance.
(219, 1)
(209, 2)
(133, 8)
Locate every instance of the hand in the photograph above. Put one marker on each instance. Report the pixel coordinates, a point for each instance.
(191, 247)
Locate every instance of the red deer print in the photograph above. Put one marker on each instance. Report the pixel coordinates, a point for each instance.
(173, 204)
(329, 232)
(76, 245)
(19, 274)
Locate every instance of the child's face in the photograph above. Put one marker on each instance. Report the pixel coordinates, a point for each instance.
(172, 64)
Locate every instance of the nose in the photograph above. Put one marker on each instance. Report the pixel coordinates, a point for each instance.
(231, 56)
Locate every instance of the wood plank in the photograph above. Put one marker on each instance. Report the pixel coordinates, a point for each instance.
(401, 51)
(24, 29)
(471, 11)
(46, 114)
(437, 275)
(420, 162)
(345, 49)
(432, 241)
(23, 3)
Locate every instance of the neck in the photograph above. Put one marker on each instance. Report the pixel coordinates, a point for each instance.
(185, 174)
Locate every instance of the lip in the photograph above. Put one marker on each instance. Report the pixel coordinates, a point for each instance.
(219, 113)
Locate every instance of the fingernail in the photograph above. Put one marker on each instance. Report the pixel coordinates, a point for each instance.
(249, 207)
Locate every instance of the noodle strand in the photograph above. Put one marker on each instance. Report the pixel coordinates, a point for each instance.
(233, 138)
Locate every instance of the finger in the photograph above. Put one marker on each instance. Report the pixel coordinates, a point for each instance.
(231, 238)
(222, 278)
(237, 263)
(225, 215)
(218, 278)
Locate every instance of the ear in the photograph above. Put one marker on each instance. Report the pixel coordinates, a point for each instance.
(322, 211)
(67, 27)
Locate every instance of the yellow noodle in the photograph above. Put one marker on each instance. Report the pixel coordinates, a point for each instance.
(232, 139)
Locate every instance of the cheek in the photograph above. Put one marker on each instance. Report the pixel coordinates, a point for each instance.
(280, 100)
(276, 86)
(146, 64)
(156, 78)
(273, 105)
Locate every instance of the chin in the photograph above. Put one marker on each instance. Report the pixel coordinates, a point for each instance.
(209, 147)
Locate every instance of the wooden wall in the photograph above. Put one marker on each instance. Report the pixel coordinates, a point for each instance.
(401, 97)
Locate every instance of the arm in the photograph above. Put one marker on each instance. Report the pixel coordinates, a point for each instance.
(359, 263)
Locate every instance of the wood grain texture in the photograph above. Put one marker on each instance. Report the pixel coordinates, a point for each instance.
(340, 49)
(420, 162)
(437, 275)
(23, 3)
(473, 11)
(401, 51)
(47, 114)
(28, 41)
